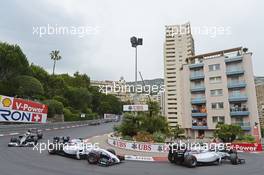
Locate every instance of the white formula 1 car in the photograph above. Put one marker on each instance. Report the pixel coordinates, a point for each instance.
(192, 158)
(77, 148)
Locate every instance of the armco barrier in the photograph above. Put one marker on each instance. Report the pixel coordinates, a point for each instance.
(24, 127)
(164, 148)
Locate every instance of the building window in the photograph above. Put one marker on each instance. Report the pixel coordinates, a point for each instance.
(215, 79)
(214, 67)
(216, 92)
(218, 119)
(218, 105)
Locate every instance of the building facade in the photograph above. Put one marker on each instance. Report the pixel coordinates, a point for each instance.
(178, 46)
(218, 87)
(260, 99)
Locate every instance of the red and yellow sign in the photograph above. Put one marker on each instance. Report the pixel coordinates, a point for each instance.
(20, 110)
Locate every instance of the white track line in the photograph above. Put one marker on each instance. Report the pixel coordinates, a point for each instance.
(14, 133)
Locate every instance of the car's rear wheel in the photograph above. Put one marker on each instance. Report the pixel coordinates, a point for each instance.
(93, 158)
(51, 149)
(13, 139)
(171, 158)
(234, 159)
(190, 161)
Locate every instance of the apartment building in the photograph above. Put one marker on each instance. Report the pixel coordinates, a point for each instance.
(218, 87)
(260, 100)
(178, 46)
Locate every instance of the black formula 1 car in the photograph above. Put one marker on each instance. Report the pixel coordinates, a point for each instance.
(192, 158)
(26, 140)
(77, 148)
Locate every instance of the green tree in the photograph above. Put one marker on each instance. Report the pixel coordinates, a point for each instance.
(110, 104)
(54, 55)
(176, 132)
(78, 98)
(13, 62)
(227, 133)
(27, 87)
(54, 107)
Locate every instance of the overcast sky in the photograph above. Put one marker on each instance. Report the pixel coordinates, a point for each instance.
(105, 53)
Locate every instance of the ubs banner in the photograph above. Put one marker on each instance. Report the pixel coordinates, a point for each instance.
(20, 110)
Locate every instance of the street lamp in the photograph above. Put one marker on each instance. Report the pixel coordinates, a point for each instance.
(136, 42)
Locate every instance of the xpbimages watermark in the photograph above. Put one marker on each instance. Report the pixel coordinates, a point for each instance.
(140, 89)
(211, 31)
(79, 31)
(70, 146)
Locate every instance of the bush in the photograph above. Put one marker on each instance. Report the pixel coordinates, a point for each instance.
(67, 114)
(159, 137)
(227, 133)
(54, 107)
(127, 138)
(246, 138)
(144, 137)
(61, 99)
(27, 87)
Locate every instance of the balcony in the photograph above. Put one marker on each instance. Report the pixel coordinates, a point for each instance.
(237, 71)
(199, 112)
(198, 65)
(198, 100)
(244, 126)
(238, 98)
(238, 111)
(236, 84)
(199, 124)
(233, 59)
(197, 76)
(197, 89)
(200, 127)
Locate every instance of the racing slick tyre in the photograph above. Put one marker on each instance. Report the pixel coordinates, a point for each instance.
(93, 157)
(234, 159)
(40, 136)
(111, 151)
(103, 161)
(171, 158)
(52, 149)
(13, 139)
(190, 161)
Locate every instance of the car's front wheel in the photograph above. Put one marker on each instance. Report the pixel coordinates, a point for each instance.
(190, 161)
(93, 158)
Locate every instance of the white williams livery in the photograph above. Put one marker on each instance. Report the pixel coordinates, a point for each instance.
(77, 148)
(192, 158)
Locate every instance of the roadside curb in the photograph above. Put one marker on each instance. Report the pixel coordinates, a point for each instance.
(146, 158)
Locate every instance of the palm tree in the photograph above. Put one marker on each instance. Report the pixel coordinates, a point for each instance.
(54, 55)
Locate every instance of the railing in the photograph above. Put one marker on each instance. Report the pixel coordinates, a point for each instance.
(199, 75)
(196, 65)
(198, 100)
(233, 59)
(238, 97)
(234, 71)
(197, 88)
(236, 84)
(243, 125)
